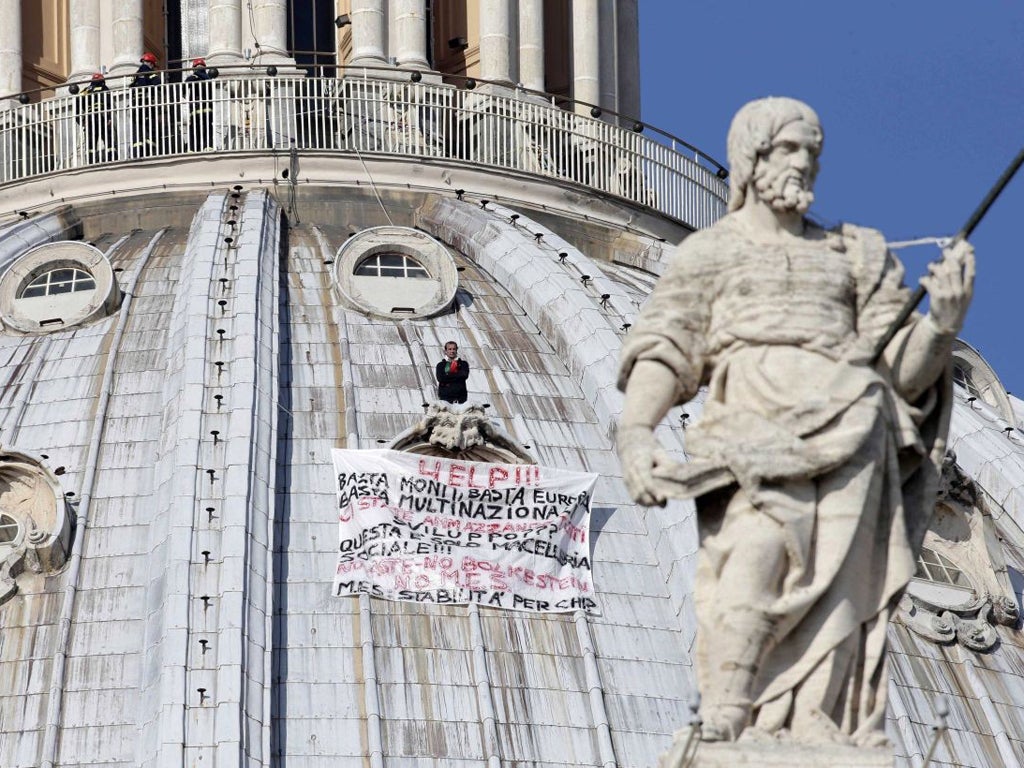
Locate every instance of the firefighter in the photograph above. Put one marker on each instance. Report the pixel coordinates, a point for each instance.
(200, 102)
(96, 118)
(148, 131)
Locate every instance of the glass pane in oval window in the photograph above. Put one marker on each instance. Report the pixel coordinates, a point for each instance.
(8, 529)
(413, 268)
(934, 567)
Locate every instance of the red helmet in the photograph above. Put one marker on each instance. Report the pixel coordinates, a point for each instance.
(199, 62)
(148, 57)
(98, 76)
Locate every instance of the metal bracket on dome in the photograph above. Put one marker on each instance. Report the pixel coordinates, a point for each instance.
(938, 730)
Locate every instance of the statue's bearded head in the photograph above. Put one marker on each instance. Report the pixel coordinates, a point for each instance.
(774, 145)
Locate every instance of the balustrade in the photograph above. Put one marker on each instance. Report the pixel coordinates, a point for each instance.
(359, 116)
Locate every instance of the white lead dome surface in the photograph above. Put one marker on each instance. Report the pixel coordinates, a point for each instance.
(194, 430)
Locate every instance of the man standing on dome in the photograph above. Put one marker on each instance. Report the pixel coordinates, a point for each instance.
(814, 467)
(452, 373)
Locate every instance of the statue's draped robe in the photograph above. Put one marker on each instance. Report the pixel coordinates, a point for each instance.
(798, 425)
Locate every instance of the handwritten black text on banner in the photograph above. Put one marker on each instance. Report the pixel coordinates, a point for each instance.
(432, 530)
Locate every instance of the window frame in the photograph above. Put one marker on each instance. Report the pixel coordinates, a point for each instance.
(407, 269)
(44, 280)
(934, 567)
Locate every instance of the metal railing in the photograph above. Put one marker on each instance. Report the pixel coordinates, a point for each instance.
(362, 116)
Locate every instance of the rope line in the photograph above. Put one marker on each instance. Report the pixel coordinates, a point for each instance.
(942, 242)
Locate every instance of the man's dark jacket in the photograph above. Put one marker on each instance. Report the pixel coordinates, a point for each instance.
(451, 387)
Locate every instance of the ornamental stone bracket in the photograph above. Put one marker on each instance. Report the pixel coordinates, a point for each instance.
(36, 523)
(973, 625)
(962, 531)
(954, 485)
(449, 430)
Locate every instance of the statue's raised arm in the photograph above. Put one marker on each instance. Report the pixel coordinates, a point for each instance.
(813, 466)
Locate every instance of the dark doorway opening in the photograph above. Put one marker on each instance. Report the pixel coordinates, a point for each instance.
(172, 38)
(311, 35)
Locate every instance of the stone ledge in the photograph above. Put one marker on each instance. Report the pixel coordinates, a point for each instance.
(766, 754)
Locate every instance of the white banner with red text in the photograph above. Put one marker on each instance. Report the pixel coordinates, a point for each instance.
(430, 530)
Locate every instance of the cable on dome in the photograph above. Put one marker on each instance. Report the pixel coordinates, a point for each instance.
(373, 184)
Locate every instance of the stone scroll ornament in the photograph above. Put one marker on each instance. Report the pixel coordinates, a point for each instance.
(971, 622)
(35, 521)
(462, 431)
(814, 466)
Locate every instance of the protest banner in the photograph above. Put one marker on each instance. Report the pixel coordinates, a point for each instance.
(431, 530)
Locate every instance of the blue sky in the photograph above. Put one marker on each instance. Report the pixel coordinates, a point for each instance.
(923, 107)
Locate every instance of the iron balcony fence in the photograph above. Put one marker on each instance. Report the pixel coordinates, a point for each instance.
(360, 116)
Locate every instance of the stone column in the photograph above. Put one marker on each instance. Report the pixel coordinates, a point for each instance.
(126, 34)
(411, 33)
(368, 32)
(495, 40)
(531, 44)
(609, 55)
(225, 22)
(85, 38)
(270, 20)
(586, 58)
(10, 48)
(195, 39)
(628, 58)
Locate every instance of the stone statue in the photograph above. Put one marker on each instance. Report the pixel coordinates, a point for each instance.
(814, 467)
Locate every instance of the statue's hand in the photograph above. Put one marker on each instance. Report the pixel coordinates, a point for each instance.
(640, 452)
(950, 284)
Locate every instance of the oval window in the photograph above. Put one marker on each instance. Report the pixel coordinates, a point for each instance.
(56, 286)
(396, 273)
